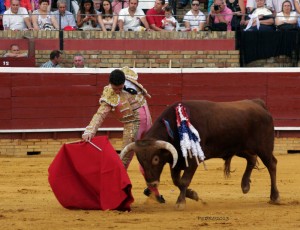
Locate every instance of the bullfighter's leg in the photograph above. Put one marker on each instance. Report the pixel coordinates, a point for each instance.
(251, 163)
(131, 133)
(271, 162)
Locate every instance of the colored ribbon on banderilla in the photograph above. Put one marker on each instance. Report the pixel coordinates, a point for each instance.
(189, 137)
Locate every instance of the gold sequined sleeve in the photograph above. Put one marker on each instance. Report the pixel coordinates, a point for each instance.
(98, 118)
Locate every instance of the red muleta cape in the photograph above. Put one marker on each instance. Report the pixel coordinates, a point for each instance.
(82, 177)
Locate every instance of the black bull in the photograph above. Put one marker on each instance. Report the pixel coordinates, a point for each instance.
(243, 128)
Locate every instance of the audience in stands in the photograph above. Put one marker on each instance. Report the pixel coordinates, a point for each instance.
(2, 10)
(87, 16)
(155, 15)
(97, 4)
(107, 19)
(55, 59)
(16, 17)
(78, 61)
(117, 5)
(23, 3)
(194, 19)
(15, 52)
(169, 23)
(132, 18)
(238, 9)
(220, 16)
(63, 17)
(42, 19)
(260, 19)
(287, 19)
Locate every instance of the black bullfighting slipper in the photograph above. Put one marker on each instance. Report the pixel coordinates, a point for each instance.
(160, 199)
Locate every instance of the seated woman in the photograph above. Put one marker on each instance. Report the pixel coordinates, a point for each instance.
(194, 19)
(42, 19)
(287, 19)
(260, 19)
(87, 16)
(107, 19)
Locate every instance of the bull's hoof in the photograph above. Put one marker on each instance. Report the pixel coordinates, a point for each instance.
(246, 186)
(192, 194)
(275, 200)
(180, 206)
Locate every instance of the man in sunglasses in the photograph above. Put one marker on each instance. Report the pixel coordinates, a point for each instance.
(194, 19)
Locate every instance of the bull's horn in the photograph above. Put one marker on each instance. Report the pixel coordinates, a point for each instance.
(170, 148)
(128, 148)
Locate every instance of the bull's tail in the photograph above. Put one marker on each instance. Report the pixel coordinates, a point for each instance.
(227, 170)
(260, 102)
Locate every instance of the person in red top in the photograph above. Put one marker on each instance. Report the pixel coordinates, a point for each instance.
(23, 3)
(155, 15)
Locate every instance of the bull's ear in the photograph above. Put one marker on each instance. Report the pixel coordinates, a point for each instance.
(167, 146)
(128, 148)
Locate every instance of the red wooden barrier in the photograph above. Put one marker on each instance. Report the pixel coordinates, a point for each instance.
(53, 99)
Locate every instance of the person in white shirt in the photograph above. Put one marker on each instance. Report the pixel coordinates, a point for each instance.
(169, 23)
(287, 16)
(130, 18)
(194, 19)
(64, 17)
(16, 17)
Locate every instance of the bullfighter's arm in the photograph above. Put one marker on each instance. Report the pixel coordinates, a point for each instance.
(96, 121)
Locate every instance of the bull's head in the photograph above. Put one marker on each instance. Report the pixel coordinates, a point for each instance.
(152, 155)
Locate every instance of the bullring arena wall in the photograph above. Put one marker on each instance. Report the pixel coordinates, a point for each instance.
(140, 49)
(40, 109)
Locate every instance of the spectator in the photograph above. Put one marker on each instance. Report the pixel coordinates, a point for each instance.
(55, 59)
(221, 16)
(169, 22)
(63, 17)
(130, 18)
(78, 61)
(262, 15)
(2, 10)
(238, 9)
(287, 19)
(23, 3)
(194, 19)
(35, 5)
(2, 7)
(42, 19)
(87, 16)
(14, 52)
(117, 5)
(297, 8)
(97, 4)
(107, 19)
(276, 5)
(16, 17)
(155, 15)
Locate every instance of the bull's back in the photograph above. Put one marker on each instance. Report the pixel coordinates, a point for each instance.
(232, 126)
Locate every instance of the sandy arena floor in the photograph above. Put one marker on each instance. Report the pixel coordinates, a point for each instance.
(27, 202)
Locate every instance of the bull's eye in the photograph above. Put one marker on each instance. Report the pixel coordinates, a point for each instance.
(155, 160)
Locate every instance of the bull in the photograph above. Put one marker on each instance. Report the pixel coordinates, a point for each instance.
(243, 128)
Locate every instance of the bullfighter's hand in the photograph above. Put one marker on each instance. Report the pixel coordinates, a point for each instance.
(87, 137)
